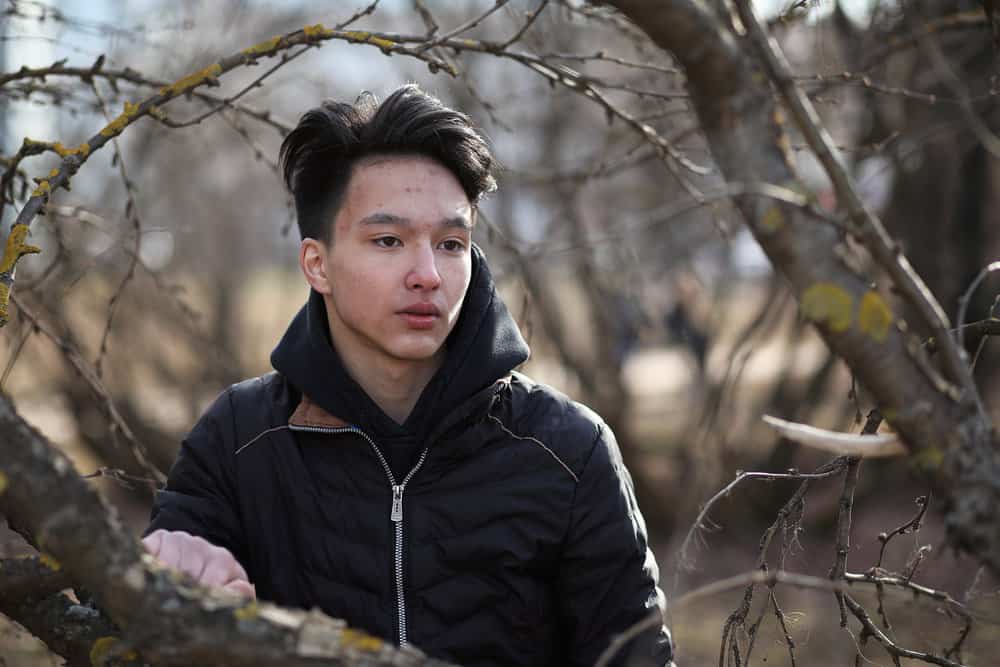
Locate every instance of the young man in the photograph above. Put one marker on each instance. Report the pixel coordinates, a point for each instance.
(395, 470)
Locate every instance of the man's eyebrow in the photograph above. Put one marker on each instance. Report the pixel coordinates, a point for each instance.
(458, 221)
(380, 218)
(384, 219)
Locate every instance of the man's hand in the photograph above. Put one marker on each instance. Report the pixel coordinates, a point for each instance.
(208, 564)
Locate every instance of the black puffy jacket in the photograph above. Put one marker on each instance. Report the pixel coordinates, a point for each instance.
(497, 526)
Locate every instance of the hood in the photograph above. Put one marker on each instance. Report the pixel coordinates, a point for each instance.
(484, 346)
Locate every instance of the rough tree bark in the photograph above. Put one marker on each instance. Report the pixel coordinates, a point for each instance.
(739, 113)
(163, 617)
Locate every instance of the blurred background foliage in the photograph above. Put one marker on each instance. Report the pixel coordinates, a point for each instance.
(170, 270)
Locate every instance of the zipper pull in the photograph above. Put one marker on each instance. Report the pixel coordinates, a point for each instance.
(397, 504)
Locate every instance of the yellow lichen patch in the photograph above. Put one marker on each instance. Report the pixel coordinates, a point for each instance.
(116, 126)
(247, 611)
(3, 477)
(43, 189)
(830, 304)
(368, 38)
(263, 48)
(49, 562)
(157, 113)
(381, 42)
(4, 301)
(83, 149)
(874, 316)
(360, 641)
(317, 31)
(53, 173)
(192, 80)
(16, 246)
(773, 219)
(101, 650)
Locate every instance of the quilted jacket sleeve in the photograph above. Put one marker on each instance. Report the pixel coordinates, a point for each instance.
(200, 496)
(607, 580)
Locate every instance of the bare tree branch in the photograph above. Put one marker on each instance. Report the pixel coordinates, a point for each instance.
(164, 618)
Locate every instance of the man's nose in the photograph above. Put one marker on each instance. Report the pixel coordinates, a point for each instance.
(423, 274)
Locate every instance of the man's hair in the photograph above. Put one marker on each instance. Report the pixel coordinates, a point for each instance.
(317, 158)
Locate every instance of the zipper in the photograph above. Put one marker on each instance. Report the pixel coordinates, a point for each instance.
(395, 514)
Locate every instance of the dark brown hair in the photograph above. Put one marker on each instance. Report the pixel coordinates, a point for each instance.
(318, 156)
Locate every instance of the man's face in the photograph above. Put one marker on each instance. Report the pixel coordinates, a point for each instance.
(400, 261)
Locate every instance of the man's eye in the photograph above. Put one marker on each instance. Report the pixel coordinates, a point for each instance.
(387, 242)
(453, 245)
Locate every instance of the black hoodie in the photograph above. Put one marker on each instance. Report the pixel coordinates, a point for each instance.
(484, 346)
(514, 540)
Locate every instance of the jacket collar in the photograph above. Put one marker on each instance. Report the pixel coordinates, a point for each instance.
(310, 414)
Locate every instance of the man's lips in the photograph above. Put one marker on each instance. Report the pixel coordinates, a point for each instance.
(420, 315)
(426, 309)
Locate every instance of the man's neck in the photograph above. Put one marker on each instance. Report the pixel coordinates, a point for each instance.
(395, 385)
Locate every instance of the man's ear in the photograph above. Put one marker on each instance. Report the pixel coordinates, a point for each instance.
(312, 261)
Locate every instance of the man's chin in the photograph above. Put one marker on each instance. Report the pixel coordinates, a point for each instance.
(416, 351)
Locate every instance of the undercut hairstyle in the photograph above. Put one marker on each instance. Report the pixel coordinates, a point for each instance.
(318, 157)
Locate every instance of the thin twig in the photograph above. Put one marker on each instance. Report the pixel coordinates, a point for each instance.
(468, 25)
(97, 387)
(784, 628)
(757, 577)
(843, 545)
(228, 102)
(726, 490)
(532, 17)
(843, 542)
(600, 56)
(986, 137)
(910, 526)
(361, 13)
(113, 76)
(894, 650)
(131, 214)
(937, 25)
(917, 590)
(994, 322)
(15, 354)
(620, 641)
(865, 81)
(963, 302)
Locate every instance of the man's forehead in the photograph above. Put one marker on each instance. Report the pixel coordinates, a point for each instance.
(388, 160)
